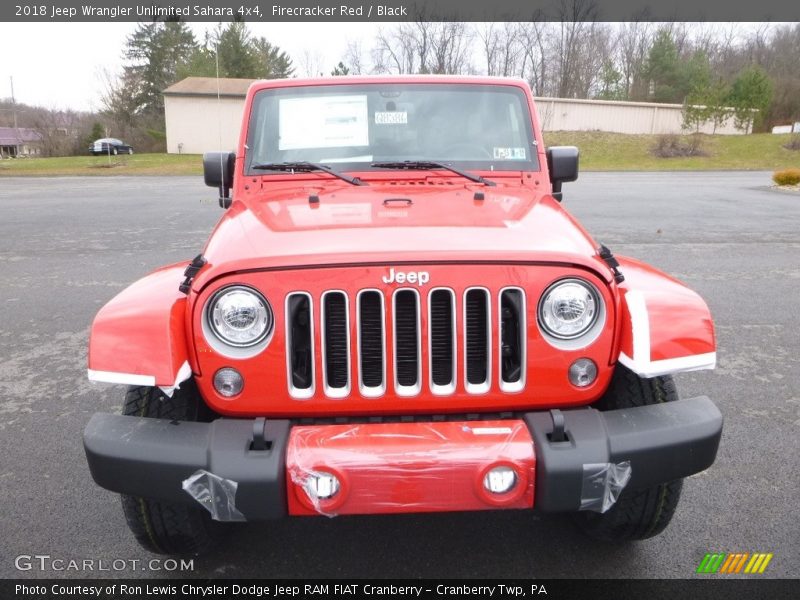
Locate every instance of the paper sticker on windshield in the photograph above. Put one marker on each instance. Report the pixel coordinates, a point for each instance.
(391, 117)
(323, 122)
(509, 153)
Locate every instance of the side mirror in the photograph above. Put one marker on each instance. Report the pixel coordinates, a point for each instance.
(562, 162)
(218, 170)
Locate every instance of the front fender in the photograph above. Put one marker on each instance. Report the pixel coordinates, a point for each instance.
(666, 327)
(139, 337)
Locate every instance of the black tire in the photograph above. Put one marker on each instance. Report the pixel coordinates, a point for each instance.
(114, 151)
(162, 527)
(130, 150)
(643, 513)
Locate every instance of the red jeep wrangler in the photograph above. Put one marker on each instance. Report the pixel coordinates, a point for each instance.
(395, 314)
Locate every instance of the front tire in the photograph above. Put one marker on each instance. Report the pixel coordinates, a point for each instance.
(642, 513)
(163, 527)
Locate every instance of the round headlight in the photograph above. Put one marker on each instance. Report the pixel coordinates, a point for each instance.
(240, 316)
(569, 308)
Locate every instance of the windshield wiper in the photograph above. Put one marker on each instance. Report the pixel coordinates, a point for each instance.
(306, 167)
(428, 164)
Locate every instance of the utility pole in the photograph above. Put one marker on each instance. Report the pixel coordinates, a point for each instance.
(13, 102)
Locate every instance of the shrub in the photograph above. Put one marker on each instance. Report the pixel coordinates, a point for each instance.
(673, 146)
(793, 143)
(787, 177)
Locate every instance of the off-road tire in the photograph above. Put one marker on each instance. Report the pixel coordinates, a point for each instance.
(163, 527)
(643, 513)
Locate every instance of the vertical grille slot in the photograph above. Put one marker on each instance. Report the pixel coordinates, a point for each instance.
(441, 340)
(477, 342)
(335, 344)
(371, 343)
(406, 342)
(512, 340)
(300, 345)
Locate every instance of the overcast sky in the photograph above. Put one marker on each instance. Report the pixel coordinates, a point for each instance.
(60, 65)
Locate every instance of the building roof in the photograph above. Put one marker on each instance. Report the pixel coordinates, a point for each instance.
(209, 86)
(10, 136)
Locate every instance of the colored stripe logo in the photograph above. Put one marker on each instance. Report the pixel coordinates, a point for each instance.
(739, 562)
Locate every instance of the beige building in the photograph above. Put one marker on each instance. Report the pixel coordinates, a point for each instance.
(204, 114)
(570, 114)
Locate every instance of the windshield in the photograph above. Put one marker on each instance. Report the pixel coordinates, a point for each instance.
(482, 127)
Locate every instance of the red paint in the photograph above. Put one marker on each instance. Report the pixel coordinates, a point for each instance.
(142, 330)
(273, 239)
(679, 319)
(410, 467)
(265, 375)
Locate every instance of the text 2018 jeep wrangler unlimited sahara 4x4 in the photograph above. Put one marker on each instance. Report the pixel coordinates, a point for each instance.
(395, 314)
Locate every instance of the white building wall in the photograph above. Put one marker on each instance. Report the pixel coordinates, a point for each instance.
(197, 124)
(563, 114)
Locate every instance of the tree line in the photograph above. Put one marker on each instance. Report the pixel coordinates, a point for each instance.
(748, 72)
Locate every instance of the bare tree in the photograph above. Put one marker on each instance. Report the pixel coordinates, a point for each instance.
(354, 58)
(59, 130)
(311, 63)
(501, 47)
(534, 36)
(423, 47)
(633, 43)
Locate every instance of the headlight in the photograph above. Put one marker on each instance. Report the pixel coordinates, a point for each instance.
(569, 308)
(239, 316)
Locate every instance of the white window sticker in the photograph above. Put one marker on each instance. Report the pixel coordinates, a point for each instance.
(391, 117)
(323, 122)
(509, 153)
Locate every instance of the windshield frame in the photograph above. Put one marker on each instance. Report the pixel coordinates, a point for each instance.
(492, 166)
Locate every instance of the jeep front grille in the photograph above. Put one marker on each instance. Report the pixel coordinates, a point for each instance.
(335, 344)
(379, 369)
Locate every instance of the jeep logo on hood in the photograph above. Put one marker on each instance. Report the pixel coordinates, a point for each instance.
(418, 277)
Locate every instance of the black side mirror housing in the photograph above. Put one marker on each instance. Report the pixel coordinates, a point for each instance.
(562, 162)
(218, 168)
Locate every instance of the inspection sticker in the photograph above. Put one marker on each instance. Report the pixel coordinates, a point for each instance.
(391, 117)
(509, 153)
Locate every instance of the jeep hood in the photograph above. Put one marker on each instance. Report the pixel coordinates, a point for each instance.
(397, 224)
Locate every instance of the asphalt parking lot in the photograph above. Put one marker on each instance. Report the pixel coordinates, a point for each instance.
(67, 245)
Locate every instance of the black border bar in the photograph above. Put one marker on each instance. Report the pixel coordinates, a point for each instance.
(714, 587)
(398, 10)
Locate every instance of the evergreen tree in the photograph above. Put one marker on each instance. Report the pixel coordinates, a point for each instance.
(340, 69)
(750, 96)
(238, 56)
(274, 63)
(156, 52)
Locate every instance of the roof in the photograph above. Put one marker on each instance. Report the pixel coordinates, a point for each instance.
(209, 86)
(10, 136)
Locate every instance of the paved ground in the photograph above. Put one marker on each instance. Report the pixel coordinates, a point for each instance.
(68, 245)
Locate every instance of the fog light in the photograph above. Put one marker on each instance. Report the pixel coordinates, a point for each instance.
(321, 485)
(500, 480)
(228, 382)
(582, 372)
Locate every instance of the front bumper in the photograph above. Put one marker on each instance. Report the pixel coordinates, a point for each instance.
(562, 460)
